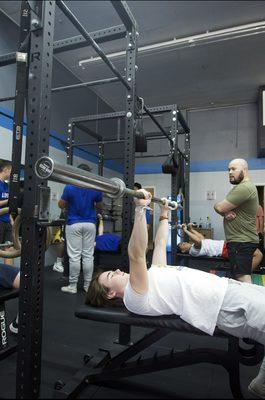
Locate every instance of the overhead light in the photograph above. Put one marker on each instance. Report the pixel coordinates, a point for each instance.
(190, 41)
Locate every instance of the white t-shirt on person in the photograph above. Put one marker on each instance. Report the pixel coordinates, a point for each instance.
(209, 248)
(194, 295)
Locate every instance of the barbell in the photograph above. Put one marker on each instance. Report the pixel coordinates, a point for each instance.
(47, 168)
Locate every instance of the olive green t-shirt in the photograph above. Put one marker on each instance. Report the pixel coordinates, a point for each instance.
(243, 227)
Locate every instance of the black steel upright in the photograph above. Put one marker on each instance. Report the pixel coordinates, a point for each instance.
(70, 142)
(33, 236)
(187, 177)
(129, 136)
(174, 180)
(20, 98)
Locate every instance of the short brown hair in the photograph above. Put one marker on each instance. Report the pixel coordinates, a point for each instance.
(5, 164)
(137, 185)
(97, 294)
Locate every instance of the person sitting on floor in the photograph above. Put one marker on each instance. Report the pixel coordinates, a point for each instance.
(204, 300)
(209, 247)
(106, 241)
(10, 279)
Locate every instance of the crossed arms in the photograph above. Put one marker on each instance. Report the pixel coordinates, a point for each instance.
(225, 208)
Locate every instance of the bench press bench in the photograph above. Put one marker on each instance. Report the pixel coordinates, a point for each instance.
(208, 263)
(5, 348)
(103, 367)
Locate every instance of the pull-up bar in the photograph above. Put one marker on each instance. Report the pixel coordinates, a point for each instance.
(75, 86)
(91, 41)
(158, 124)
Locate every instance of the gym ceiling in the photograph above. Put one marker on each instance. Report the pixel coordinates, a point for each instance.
(211, 70)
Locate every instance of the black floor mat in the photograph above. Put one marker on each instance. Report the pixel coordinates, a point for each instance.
(66, 339)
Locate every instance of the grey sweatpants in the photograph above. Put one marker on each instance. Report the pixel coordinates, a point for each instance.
(243, 311)
(80, 239)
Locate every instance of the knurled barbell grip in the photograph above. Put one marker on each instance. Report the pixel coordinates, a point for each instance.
(140, 195)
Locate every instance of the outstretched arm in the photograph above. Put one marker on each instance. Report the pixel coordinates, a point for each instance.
(197, 239)
(99, 207)
(192, 230)
(160, 250)
(137, 246)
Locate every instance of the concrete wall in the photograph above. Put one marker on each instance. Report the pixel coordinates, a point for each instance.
(223, 133)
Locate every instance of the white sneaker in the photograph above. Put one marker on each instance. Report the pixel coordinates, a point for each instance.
(69, 289)
(257, 388)
(58, 267)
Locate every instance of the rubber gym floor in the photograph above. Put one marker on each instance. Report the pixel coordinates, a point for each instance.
(66, 339)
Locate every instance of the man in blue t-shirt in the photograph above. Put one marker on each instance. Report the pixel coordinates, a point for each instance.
(80, 231)
(5, 226)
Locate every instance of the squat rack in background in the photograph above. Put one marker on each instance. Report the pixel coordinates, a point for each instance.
(179, 180)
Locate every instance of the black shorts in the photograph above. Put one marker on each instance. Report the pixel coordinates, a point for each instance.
(5, 232)
(240, 257)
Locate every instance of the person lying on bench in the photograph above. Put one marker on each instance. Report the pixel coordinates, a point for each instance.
(10, 279)
(209, 247)
(201, 299)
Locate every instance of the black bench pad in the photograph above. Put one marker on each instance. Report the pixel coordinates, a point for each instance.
(205, 258)
(119, 315)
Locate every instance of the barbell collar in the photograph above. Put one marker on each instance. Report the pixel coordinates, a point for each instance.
(121, 185)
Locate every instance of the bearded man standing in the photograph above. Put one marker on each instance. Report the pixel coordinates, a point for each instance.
(239, 210)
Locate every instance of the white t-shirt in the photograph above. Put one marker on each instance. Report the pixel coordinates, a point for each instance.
(209, 248)
(194, 295)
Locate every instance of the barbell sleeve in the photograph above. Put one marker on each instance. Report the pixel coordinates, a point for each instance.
(46, 168)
